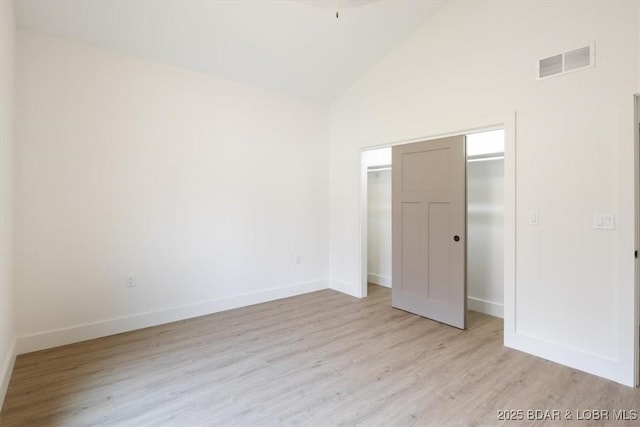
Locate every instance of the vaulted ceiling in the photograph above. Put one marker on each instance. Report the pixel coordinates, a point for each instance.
(297, 47)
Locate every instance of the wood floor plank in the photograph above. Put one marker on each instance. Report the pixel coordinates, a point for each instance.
(316, 359)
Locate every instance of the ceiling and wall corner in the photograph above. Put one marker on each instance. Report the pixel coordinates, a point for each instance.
(295, 47)
(118, 134)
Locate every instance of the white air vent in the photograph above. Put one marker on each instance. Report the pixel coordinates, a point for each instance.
(550, 66)
(573, 60)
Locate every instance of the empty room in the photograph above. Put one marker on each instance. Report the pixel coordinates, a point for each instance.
(319, 212)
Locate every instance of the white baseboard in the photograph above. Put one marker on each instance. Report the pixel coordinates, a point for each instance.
(345, 288)
(7, 370)
(58, 337)
(574, 358)
(379, 279)
(486, 307)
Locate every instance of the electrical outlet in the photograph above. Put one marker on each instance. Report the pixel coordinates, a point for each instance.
(131, 282)
(297, 259)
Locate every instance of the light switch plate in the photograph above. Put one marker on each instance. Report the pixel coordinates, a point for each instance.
(534, 218)
(604, 222)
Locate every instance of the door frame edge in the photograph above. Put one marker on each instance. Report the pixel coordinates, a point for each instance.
(636, 155)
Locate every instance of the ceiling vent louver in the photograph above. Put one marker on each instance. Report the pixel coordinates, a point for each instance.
(573, 60)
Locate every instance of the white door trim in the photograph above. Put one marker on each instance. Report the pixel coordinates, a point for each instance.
(636, 133)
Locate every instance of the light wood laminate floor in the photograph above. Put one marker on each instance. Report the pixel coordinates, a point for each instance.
(317, 359)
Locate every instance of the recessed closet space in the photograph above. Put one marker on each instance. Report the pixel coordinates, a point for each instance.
(485, 222)
(378, 164)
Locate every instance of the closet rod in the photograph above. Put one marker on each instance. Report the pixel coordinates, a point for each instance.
(482, 158)
(379, 168)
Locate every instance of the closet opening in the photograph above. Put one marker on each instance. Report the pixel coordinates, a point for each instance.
(485, 206)
(379, 216)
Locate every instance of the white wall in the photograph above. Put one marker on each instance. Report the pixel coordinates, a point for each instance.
(7, 64)
(379, 227)
(485, 236)
(574, 285)
(203, 189)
